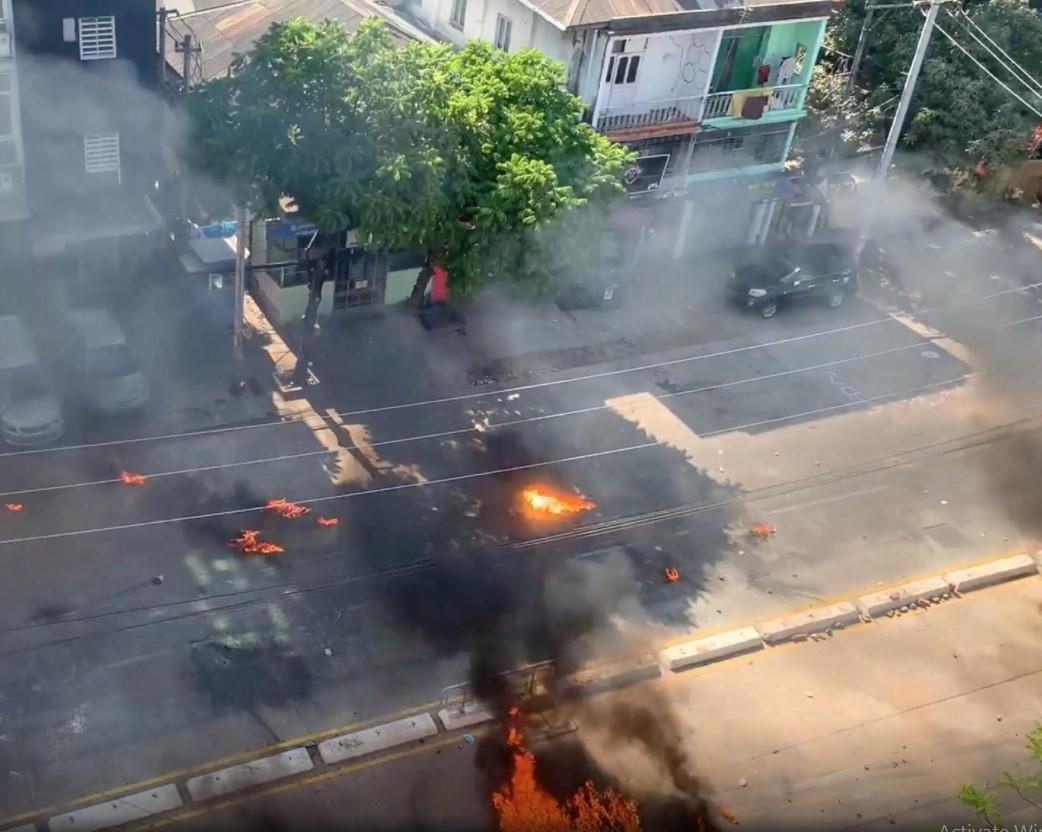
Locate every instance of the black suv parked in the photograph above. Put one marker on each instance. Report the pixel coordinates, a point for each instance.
(784, 272)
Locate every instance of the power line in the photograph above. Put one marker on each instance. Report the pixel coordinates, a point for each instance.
(775, 490)
(166, 521)
(484, 394)
(990, 74)
(1026, 75)
(510, 423)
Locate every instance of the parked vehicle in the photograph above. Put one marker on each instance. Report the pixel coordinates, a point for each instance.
(780, 273)
(30, 411)
(102, 372)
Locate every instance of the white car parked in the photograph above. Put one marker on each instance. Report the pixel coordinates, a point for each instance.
(30, 412)
(106, 375)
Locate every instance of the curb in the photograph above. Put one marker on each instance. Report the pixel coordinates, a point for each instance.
(989, 574)
(203, 788)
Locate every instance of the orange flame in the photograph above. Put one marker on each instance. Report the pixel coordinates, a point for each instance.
(543, 500)
(327, 521)
(249, 543)
(762, 530)
(672, 574)
(284, 508)
(128, 478)
(522, 805)
(13, 506)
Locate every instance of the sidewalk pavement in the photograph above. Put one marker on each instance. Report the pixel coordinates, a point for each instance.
(875, 727)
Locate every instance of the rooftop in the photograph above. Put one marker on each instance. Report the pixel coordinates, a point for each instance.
(580, 13)
(226, 27)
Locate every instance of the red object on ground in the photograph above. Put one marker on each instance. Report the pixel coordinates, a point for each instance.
(439, 285)
(128, 478)
(327, 521)
(13, 506)
(672, 575)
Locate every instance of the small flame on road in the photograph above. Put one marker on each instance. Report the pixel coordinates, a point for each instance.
(128, 478)
(249, 543)
(522, 805)
(327, 521)
(13, 506)
(672, 575)
(284, 508)
(543, 500)
(762, 530)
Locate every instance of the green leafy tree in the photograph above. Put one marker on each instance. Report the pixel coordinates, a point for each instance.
(960, 117)
(475, 155)
(987, 802)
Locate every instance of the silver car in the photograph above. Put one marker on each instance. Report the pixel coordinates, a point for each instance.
(106, 374)
(30, 412)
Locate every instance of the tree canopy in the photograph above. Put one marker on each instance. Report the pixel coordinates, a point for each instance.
(473, 153)
(960, 117)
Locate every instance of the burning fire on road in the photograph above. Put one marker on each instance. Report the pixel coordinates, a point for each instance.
(128, 478)
(284, 508)
(13, 506)
(522, 805)
(541, 499)
(327, 521)
(249, 543)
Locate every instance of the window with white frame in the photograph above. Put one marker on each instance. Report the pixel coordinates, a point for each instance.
(101, 153)
(622, 68)
(97, 38)
(504, 26)
(459, 13)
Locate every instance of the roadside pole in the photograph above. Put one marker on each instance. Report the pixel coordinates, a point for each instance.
(859, 52)
(240, 280)
(879, 186)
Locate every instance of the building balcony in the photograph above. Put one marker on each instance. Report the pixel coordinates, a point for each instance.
(647, 119)
(785, 100)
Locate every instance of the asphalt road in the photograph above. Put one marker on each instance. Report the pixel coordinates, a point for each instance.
(134, 640)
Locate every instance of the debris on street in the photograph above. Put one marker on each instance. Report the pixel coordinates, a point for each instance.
(249, 543)
(284, 508)
(13, 506)
(128, 478)
(672, 574)
(327, 521)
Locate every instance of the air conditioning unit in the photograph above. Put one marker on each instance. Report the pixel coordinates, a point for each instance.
(6, 182)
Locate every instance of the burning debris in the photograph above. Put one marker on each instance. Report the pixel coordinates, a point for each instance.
(522, 805)
(128, 478)
(284, 508)
(762, 530)
(672, 575)
(545, 501)
(13, 506)
(249, 543)
(327, 521)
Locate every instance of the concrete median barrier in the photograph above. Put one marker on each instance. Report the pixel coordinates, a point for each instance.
(612, 675)
(816, 620)
(378, 738)
(711, 648)
(879, 603)
(119, 811)
(248, 775)
(989, 574)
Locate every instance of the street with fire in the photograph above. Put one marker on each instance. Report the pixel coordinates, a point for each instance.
(245, 585)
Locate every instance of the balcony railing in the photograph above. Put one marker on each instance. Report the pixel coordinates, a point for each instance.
(648, 114)
(722, 104)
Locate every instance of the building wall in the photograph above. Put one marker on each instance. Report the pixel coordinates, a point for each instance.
(12, 161)
(529, 28)
(677, 65)
(65, 99)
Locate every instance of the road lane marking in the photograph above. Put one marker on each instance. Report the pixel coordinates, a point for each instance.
(835, 498)
(536, 385)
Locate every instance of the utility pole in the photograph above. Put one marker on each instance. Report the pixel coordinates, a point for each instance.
(186, 62)
(879, 186)
(240, 280)
(859, 52)
(163, 14)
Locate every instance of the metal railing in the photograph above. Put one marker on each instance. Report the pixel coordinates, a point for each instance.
(720, 104)
(643, 114)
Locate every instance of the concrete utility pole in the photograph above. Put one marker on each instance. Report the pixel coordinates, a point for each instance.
(163, 14)
(859, 52)
(879, 186)
(242, 220)
(186, 62)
